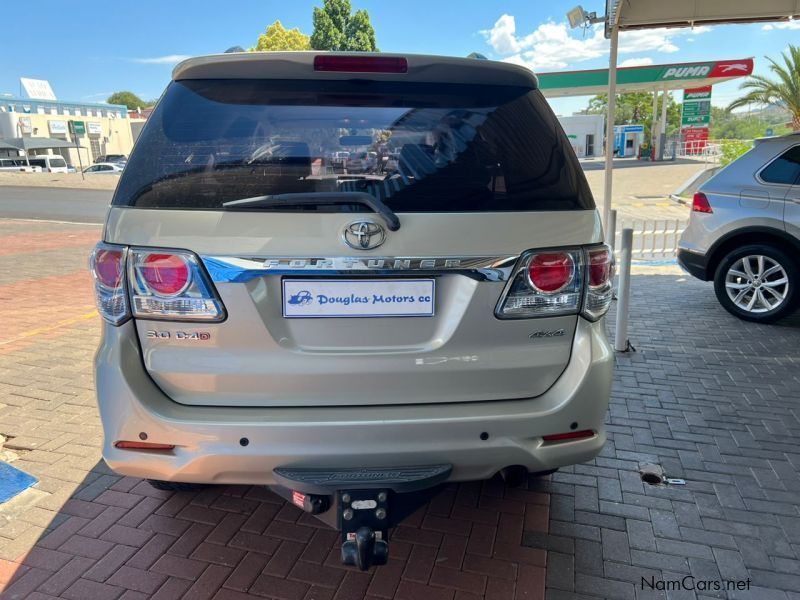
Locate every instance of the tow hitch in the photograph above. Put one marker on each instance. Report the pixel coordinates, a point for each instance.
(364, 523)
(361, 503)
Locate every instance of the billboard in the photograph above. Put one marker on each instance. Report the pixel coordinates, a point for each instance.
(696, 117)
(37, 89)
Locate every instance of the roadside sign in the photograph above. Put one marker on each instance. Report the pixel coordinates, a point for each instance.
(695, 139)
(77, 127)
(696, 109)
(770, 132)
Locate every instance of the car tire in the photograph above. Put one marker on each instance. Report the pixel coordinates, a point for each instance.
(176, 486)
(757, 282)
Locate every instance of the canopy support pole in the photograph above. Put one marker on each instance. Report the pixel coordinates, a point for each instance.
(612, 105)
(653, 122)
(662, 139)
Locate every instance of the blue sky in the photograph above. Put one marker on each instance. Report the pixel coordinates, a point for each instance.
(88, 53)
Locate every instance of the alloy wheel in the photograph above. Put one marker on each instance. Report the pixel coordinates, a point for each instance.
(757, 284)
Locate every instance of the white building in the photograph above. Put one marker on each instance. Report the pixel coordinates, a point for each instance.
(585, 133)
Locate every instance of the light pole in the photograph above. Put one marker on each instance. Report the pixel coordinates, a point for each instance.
(578, 17)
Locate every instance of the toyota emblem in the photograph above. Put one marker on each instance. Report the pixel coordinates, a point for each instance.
(363, 235)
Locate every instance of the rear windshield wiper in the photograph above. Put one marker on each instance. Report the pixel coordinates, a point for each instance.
(320, 198)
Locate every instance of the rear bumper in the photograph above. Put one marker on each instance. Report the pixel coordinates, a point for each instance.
(693, 263)
(207, 439)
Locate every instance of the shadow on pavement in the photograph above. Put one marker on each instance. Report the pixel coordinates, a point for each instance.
(118, 535)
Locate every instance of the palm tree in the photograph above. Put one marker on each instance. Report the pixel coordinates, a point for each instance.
(785, 90)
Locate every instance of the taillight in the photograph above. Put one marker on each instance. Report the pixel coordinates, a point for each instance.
(600, 286)
(171, 285)
(547, 283)
(700, 203)
(599, 266)
(165, 274)
(551, 272)
(559, 282)
(107, 264)
(360, 64)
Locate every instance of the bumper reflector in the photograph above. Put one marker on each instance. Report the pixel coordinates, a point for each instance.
(566, 437)
(143, 446)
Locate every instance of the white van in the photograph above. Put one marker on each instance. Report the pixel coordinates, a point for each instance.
(50, 163)
(18, 164)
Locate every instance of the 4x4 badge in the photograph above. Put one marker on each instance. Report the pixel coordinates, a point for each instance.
(363, 235)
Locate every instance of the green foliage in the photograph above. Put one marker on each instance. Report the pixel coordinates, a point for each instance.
(732, 149)
(728, 126)
(784, 89)
(335, 28)
(129, 99)
(277, 37)
(636, 108)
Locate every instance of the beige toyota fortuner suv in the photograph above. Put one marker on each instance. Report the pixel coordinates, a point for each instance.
(352, 334)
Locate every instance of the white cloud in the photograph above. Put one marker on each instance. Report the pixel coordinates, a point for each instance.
(782, 25)
(97, 95)
(502, 37)
(636, 62)
(169, 59)
(552, 46)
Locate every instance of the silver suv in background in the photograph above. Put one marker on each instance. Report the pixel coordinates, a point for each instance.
(353, 339)
(744, 231)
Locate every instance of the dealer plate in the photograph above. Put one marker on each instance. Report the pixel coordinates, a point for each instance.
(319, 298)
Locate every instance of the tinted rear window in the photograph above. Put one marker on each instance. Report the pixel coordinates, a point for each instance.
(417, 147)
(57, 162)
(785, 169)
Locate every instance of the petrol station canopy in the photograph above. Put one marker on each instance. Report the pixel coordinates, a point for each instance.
(646, 14)
(624, 15)
(675, 76)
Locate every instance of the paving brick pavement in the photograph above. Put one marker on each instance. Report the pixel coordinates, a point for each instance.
(709, 398)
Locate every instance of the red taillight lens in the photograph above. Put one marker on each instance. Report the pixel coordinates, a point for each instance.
(124, 445)
(700, 203)
(108, 267)
(551, 272)
(599, 267)
(361, 64)
(572, 435)
(165, 274)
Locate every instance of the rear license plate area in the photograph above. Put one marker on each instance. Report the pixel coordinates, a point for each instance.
(358, 298)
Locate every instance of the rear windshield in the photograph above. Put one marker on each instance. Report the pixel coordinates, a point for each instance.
(57, 162)
(417, 147)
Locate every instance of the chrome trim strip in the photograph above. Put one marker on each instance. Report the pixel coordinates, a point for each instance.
(236, 269)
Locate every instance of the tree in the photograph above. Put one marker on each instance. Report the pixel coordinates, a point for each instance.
(731, 126)
(636, 108)
(785, 89)
(277, 37)
(129, 99)
(335, 28)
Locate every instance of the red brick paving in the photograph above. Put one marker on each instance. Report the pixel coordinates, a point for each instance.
(95, 535)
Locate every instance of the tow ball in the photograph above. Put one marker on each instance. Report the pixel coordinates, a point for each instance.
(364, 523)
(362, 502)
